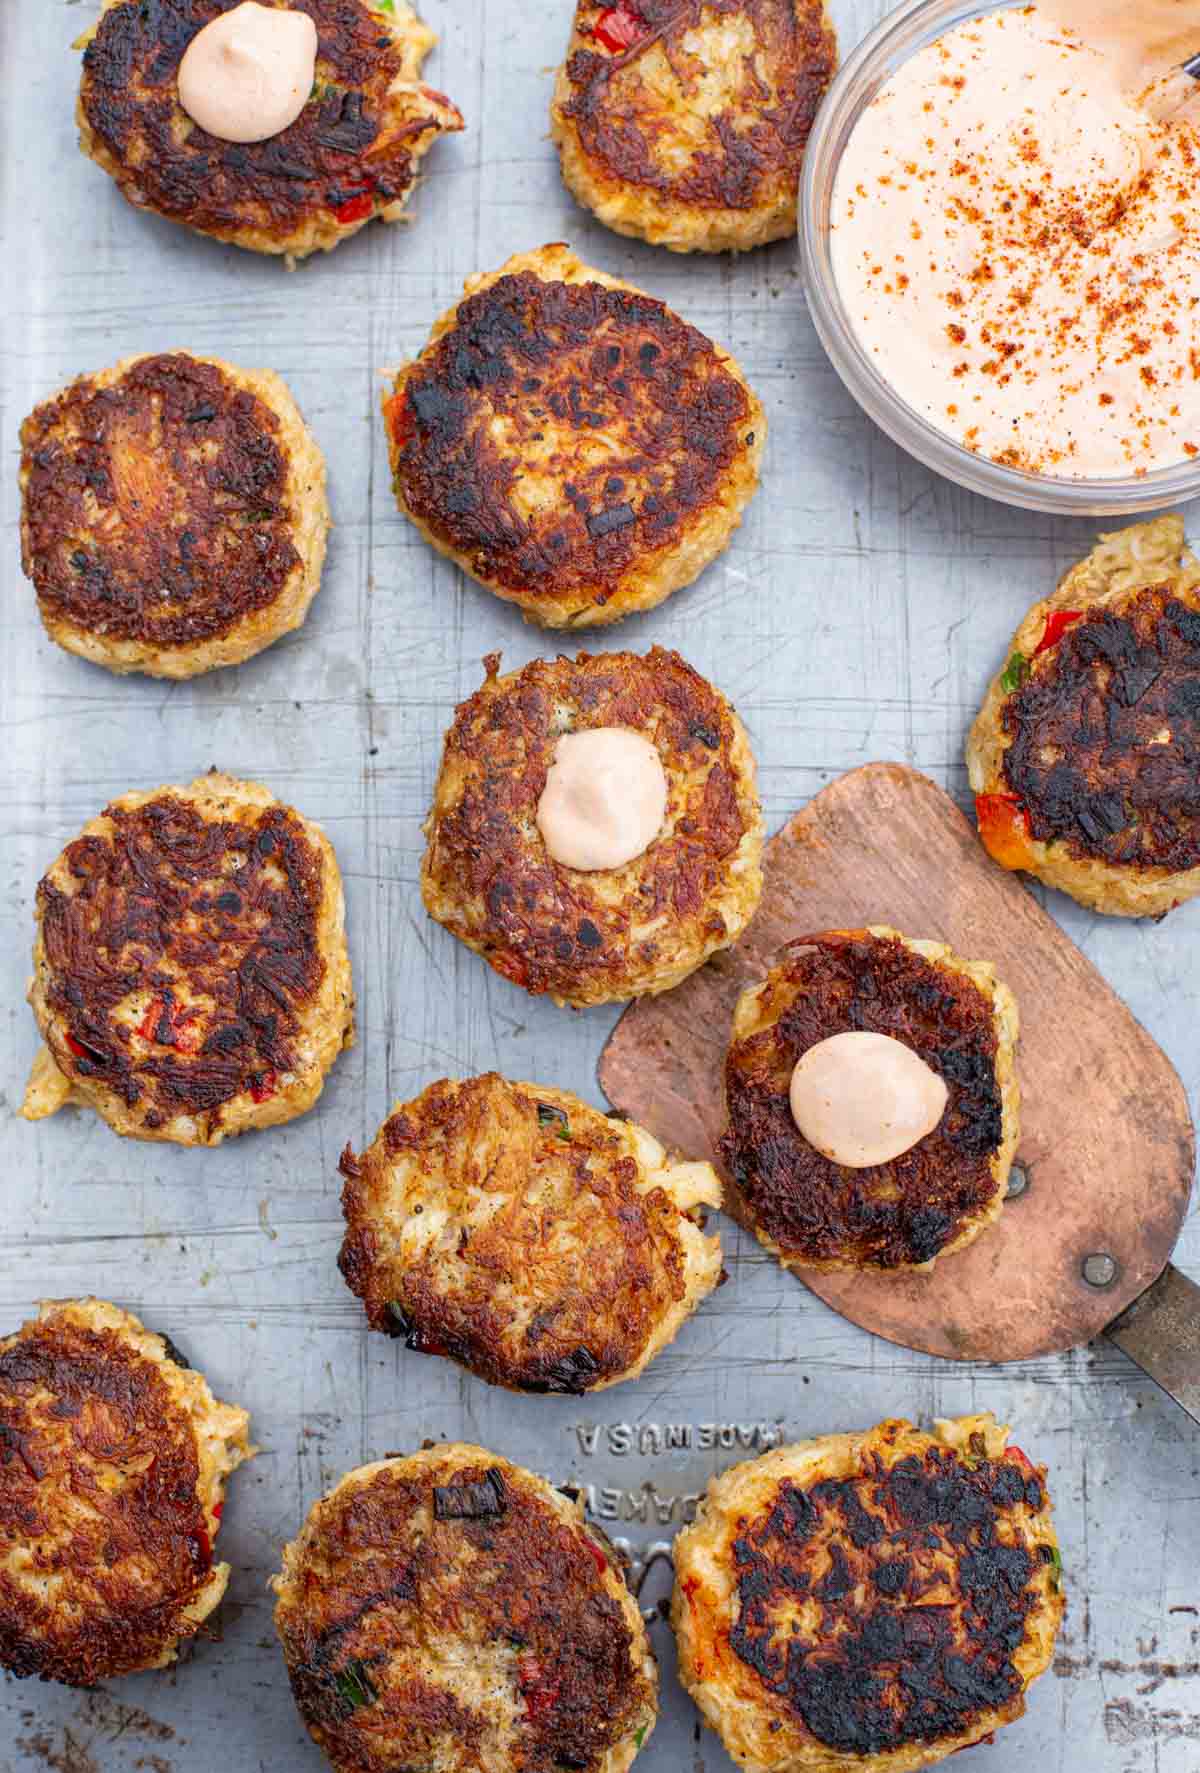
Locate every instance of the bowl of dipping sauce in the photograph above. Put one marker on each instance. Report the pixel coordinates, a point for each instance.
(1000, 226)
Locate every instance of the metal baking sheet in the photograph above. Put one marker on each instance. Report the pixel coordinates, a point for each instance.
(856, 616)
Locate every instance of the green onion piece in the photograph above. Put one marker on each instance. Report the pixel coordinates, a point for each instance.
(354, 1685)
(1014, 674)
(554, 1117)
(641, 1736)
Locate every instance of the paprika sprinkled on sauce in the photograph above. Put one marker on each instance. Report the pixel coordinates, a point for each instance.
(619, 27)
(1017, 242)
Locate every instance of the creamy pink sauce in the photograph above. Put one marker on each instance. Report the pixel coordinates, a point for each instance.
(1016, 237)
(862, 1099)
(605, 798)
(248, 74)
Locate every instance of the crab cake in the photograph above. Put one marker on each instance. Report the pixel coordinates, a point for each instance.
(957, 1017)
(1085, 757)
(352, 153)
(593, 937)
(868, 1601)
(685, 125)
(543, 1245)
(173, 514)
(452, 1612)
(571, 443)
(113, 1461)
(191, 979)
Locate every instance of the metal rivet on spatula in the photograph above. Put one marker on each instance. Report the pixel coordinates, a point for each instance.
(1018, 1182)
(1101, 1269)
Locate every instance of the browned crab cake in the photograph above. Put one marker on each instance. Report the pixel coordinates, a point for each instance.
(571, 443)
(939, 1195)
(1085, 757)
(113, 1462)
(868, 1603)
(173, 514)
(191, 978)
(350, 156)
(454, 1612)
(685, 124)
(591, 938)
(542, 1244)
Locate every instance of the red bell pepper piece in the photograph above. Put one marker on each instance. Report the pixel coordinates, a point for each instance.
(1057, 623)
(1004, 828)
(619, 27)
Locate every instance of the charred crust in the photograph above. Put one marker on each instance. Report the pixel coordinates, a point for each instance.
(559, 1296)
(383, 1571)
(338, 149)
(547, 928)
(229, 906)
(1087, 759)
(884, 1666)
(897, 1214)
(156, 509)
(570, 361)
(99, 1471)
(752, 150)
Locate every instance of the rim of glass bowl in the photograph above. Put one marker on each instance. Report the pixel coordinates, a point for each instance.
(894, 39)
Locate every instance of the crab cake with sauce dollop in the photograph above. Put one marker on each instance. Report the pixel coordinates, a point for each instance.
(173, 514)
(609, 934)
(350, 156)
(868, 1601)
(113, 1460)
(685, 124)
(1085, 757)
(542, 1244)
(454, 1612)
(956, 1017)
(191, 978)
(571, 443)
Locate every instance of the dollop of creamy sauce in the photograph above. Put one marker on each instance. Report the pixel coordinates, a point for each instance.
(1016, 237)
(862, 1099)
(605, 798)
(249, 73)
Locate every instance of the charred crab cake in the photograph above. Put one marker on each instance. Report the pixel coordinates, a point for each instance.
(868, 1601)
(545, 1246)
(113, 1462)
(601, 935)
(571, 443)
(452, 1612)
(351, 155)
(191, 978)
(1085, 757)
(953, 1016)
(685, 124)
(173, 514)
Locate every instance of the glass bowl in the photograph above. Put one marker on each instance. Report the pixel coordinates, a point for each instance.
(900, 35)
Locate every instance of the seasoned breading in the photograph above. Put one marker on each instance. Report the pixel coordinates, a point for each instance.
(868, 1603)
(1085, 757)
(571, 443)
(191, 978)
(350, 156)
(938, 1196)
(452, 1612)
(684, 122)
(173, 514)
(590, 938)
(545, 1246)
(113, 1462)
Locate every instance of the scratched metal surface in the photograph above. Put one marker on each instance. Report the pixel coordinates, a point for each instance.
(856, 616)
